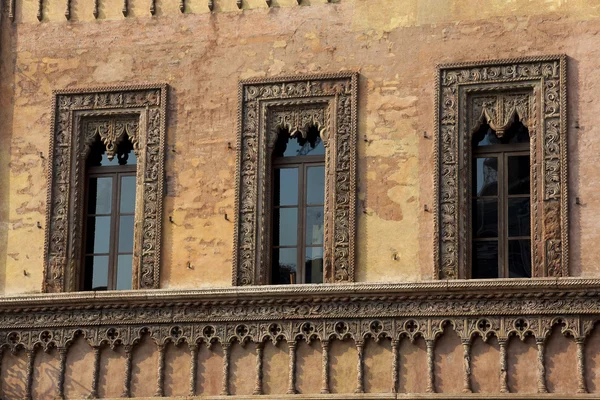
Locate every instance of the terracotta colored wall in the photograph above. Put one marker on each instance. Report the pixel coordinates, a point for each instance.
(395, 44)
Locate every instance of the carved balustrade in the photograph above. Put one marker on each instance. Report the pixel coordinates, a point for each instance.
(253, 316)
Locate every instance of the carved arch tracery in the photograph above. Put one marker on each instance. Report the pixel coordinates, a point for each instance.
(496, 92)
(295, 104)
(79, 117)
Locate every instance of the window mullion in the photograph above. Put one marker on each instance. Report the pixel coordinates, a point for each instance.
(301, 231)
(503, 207)
(114, 229)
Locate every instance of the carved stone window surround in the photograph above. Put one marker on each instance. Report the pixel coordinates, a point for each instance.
(543, 81)
(328, 102)
(143, 107)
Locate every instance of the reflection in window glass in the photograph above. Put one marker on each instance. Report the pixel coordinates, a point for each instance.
(126, 234)
(314, 225)
(485, 260)
(485, 176)
(500, 212)
(109, 223)
(297, 215)
(99, 228)
(99, 264)
(286, 221)
(314, 265)
(518, 175)
(100, 195)
(124, 271)
(127, 203)
(285, 186)
(485, 218)
(285, 261)
(519, 254)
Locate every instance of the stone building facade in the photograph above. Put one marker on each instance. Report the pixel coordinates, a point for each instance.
(415, 111)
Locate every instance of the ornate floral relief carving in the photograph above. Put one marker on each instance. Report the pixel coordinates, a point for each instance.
(496, 92)
(499, 111)
(295, 104)
(111, 113)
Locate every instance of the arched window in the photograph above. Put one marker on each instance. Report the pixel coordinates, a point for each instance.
(501, 217)
(109, 217)
(298, 201)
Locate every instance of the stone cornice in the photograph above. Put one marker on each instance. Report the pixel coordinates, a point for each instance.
(447, 290)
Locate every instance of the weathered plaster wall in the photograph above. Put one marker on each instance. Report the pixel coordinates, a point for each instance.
(395, 44)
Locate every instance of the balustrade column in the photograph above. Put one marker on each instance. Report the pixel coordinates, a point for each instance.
(325, 367)
(193, 368)
(62, 352)
(259, 368)
(96, 372)
(395, 365)
(467, 366)
(503, 367)
(160, 373)
(292, 368)
(127, 378)
(541, 366)
(581, 386)
(430, 369)
(29, 373)
(360, 384)
(226, 357)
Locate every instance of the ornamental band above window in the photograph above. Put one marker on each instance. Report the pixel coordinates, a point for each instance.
(501, 162)
(92, 129)
(319, 113)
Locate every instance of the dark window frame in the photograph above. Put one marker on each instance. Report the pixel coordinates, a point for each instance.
(301, 163)
(116, 173)
(501, 152)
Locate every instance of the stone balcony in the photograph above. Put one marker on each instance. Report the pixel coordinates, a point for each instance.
(505, 338)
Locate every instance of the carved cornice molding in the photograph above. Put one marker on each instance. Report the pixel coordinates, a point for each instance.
(535, 89)
(110, 112)
(328, 101)
(433, 298)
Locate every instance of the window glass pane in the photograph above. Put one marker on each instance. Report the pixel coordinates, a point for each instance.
(518, 175)
(485, 259)
(519, 258)
(314, 225)
(106, 162)
(485, 176)
(517, 133)
(124, 271)
(485, 218)
(286, 227)
(314, 265)
(285, 186)
(126, 234)
(100, 195)
(98, 233)
(127, 203)
(315, 185)
(284, 266)
(519, 221)
(131, 158)
(486, 136)
(98, 265)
